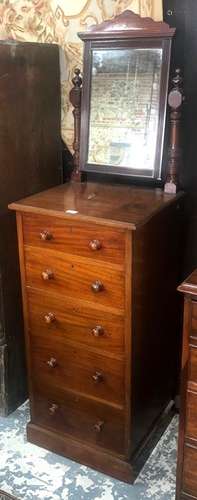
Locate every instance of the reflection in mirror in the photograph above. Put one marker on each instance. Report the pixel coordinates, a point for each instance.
(124, 108)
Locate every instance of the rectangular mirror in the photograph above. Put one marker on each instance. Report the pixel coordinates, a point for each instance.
(124, 108)
(124, 96)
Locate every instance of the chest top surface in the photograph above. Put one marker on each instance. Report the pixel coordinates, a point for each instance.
(125, 206)
(189, 286)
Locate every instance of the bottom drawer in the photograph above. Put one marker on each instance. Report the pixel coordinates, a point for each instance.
(189, 484)
(81, 418)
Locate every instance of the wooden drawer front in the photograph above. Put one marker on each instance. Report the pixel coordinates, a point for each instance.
(79, 417)
(96, 242)
(78, 369)
(70, 276)
(193, 364)
(194, 318)
(69, 320)
(190, 471)
(191, 418)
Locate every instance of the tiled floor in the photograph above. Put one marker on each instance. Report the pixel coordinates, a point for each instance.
(32, 473)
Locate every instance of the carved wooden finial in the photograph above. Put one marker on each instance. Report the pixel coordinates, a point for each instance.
(75, 99)
(175, 100)
(77, 80)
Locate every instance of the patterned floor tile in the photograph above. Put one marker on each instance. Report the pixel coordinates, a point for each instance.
(32, 473)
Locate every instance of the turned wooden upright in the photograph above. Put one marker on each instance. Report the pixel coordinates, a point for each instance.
(175, 100)
(75, 99)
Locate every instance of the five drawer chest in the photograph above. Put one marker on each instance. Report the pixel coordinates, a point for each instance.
(99, 269)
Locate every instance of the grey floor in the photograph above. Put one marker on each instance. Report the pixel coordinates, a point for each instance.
(32, 473)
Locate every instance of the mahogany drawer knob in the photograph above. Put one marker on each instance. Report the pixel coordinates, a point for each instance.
(46, 235)
(52, 363)
(98, 331)
(97, 377)
(97, 286)
(95, 245)
(98, 427)
(49, 318)
(53, 408)
(47, 275)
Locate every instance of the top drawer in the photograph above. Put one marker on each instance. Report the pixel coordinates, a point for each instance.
(97, 242)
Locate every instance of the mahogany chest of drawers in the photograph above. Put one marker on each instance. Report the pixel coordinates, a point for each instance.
(187, 450)
(99, 266)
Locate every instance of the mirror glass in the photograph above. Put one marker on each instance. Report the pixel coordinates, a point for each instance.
(124, 107)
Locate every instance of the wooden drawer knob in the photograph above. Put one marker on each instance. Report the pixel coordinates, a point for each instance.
(97, 377)
(53, 408)
(46, 235)
(52, 363)
(98, 427)
(49, 318)
(47, 275)
(98, 331)
(95, 245)
(97, 286)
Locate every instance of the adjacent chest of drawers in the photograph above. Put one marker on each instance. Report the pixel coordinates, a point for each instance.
(187, 452)
(99, 268)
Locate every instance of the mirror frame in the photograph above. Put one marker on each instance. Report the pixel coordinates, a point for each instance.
(125, 31)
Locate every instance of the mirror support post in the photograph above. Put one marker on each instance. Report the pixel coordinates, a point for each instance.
(175, 100)
(75, 99)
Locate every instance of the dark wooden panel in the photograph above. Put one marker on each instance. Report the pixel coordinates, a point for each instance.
(192, 375)
(189, 484)
(95, 242)
(81, 418)
(191, 417)
(184, 383)
(74, 321)
(74, 277)
(30, 124)
(3, 356)
(194, 319)
(186, 483)
(182, 15)
(30, 161)
(84, 371)
(156, 344)
(14, 362)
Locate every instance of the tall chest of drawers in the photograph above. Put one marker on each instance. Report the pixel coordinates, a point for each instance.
(99, 266)
(187, 450)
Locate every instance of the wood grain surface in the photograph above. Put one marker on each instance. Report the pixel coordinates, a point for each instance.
(74, 277)
(189, 470)
(78, 416)
(107, 204)
(74, 321)
(74, 238)
(76, 368)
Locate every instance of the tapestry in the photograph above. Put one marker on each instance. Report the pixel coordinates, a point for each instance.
(58, 21)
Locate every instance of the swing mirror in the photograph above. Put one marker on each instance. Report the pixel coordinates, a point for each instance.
(125, 86)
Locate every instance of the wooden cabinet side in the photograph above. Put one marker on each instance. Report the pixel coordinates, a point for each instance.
(183, 406)
(19, 220)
